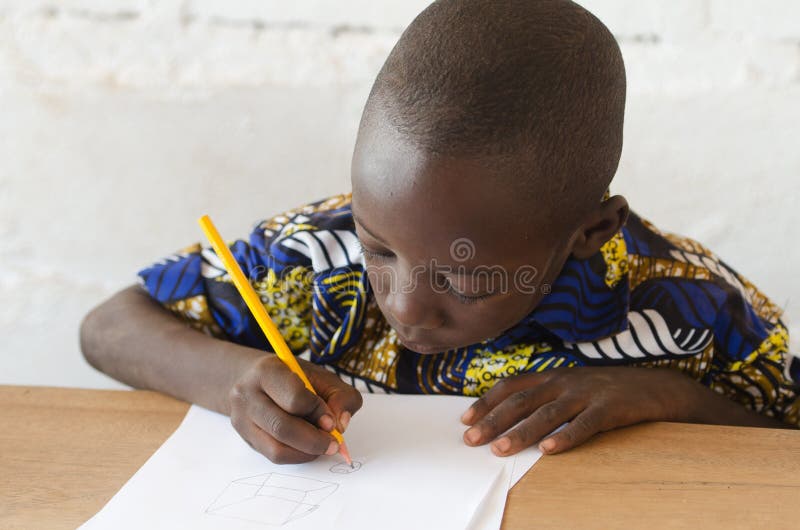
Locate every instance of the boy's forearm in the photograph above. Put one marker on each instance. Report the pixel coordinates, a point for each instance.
(133, 339)
(708, 406)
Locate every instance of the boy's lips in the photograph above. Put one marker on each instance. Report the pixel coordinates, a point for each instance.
(423, 347)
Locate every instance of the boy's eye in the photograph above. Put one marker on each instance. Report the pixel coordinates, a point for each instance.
(372, 254)
(467, 299)
(463, 298)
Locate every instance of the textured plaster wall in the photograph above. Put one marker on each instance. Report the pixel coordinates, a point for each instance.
(123, 120)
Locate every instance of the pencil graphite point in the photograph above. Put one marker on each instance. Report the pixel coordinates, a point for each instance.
(345, 453)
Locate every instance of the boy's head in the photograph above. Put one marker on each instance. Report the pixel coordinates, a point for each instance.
(486, 145)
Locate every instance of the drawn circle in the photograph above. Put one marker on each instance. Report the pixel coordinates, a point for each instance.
(343, 468)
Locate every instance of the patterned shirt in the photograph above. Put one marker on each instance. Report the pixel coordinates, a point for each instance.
(646, 298)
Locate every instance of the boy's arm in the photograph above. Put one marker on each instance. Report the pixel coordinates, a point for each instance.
(704, 405)
(134, 339)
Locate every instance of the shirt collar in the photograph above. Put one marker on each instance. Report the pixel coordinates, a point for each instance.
(590, 298)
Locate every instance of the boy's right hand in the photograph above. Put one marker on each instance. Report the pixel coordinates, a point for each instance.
(280, 418)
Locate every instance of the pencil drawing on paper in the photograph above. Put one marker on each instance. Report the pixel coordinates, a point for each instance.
(272, 499)
(344, 468)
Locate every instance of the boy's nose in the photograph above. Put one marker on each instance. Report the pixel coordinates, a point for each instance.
(413, 310)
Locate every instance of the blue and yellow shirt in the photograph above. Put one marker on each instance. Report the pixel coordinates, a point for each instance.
(647, 298)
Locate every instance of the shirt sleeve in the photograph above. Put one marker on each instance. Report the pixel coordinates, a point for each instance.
(752, 363)
(194, 286)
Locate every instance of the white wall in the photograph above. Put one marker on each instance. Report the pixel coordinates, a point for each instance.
(122, 121)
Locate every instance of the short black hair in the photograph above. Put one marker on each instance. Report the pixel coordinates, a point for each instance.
(538, 83)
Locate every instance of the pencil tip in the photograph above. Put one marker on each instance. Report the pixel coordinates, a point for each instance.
(345, 453)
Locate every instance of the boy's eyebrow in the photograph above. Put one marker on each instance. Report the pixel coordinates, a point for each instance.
(367, 230)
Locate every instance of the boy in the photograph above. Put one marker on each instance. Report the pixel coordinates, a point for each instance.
(480, 254)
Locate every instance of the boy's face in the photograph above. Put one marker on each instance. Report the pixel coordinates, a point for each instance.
(452, 255)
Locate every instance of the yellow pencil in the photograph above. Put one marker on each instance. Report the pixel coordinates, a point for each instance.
(262, 317)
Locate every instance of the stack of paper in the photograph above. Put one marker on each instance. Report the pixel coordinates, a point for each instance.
(412, 471)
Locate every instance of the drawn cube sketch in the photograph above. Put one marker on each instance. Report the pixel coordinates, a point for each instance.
(272, 498)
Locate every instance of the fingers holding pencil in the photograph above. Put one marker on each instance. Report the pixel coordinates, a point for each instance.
(290, 393)
(259, 403)
(342, 399)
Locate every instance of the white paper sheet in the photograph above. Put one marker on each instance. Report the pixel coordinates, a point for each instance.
(489, 515)
(415, 471)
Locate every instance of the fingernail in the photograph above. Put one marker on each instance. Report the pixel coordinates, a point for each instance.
(547, 445)
(467, 416)
(473, 435)
(344, 420)
(502, 445)
(332, 448)
(326, 422)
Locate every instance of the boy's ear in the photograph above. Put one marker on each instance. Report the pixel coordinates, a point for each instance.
(600, 226)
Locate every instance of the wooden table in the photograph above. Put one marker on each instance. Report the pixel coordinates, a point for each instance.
(65, 452)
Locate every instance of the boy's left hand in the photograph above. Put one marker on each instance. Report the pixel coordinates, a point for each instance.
(591, 399)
